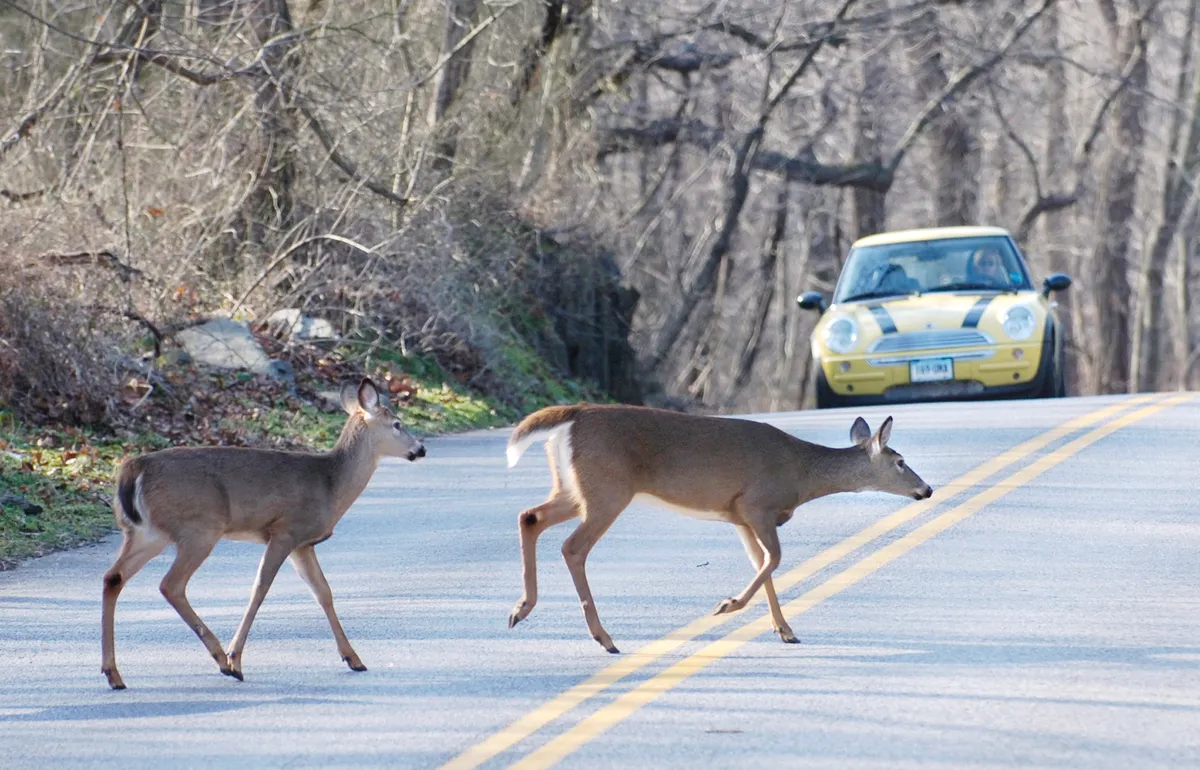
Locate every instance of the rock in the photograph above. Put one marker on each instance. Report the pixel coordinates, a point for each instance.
(290, 323)
(227, 344)
(174, 357)
(16, 501)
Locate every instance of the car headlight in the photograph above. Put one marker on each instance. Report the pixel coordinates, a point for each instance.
(841, 334)
(1018, 323)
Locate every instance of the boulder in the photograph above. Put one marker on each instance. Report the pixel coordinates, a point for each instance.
(291, 323)
(227, 344)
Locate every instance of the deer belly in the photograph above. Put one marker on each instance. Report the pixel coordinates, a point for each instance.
(247, 536)
(694, 513)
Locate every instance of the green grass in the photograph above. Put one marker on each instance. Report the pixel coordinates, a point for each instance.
(70, 474)
(69, 481)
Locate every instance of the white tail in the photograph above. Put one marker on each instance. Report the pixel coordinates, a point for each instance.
(747, 473)
(194, 497)
(516, 450)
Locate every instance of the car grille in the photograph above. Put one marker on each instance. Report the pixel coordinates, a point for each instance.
(929, 340)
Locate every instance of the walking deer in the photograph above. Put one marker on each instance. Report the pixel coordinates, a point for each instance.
(747, 473)
(290, 501)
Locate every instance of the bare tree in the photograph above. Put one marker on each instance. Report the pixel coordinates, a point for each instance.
(1117, 212)
(954, 148)
(270, 205)
(458, 50)
(1149, 349)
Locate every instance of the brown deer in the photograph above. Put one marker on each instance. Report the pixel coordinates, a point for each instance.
(747, 473)
(290, 501)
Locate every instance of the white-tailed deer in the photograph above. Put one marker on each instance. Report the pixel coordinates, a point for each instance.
(747, 473)
(195, 496)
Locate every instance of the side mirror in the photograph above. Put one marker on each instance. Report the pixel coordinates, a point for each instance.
(812, 300)
(1055, 282)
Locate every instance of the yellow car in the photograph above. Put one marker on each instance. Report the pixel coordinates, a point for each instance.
(939, 313)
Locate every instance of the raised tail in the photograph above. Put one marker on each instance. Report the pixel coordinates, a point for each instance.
(129, 481)
(541, 424)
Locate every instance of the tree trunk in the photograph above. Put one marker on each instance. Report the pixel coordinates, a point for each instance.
(1056, 224)
(269, 207)
(1184, 245)
(870, 206)
(765, 290)
(1149, 355)
(954, 151)
(448, 83)
(698, 299)
(1116, 218)
(141, 25)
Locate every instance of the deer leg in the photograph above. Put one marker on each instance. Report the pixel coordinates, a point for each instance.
(755, 552)
(189, 555)
(597, 518)
(304, 559)
(137, 548)
(531, 524)
(278, 549)
(768, 539)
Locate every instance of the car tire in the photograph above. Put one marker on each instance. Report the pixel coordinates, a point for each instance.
(825, 397)
(1060, 377)
(1053, 381)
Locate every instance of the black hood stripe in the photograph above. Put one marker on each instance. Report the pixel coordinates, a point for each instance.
(883, 318)
(976, 313)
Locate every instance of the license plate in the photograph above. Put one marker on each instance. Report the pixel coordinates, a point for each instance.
(931, 370)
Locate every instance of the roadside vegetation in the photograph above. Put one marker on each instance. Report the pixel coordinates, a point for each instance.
(500, 205)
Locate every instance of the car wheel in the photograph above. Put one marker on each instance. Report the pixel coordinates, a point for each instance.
(1053, 383)
(1060, 378)
(825, 397)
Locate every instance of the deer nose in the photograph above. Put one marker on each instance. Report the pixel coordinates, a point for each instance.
(927, 493)
(418, 452)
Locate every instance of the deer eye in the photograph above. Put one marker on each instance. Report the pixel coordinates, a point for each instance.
(397, 426)
(900, 464)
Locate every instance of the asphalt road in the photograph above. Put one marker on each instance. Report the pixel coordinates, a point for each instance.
(1042, 609)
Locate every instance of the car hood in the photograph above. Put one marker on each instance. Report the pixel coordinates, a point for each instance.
(933, 311)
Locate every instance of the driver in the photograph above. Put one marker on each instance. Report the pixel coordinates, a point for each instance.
(986, 267)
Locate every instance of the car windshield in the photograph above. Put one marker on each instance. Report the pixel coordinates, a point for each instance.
(986, 263)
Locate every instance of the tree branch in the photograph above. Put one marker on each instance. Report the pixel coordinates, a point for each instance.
(31, 118)
(1057, 201)
(1015, 138)
(959, 82)
(341, 161)
(103, 258)
(799, 168)
(170, 63)
(16, 197)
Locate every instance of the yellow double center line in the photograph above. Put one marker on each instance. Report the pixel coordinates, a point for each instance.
(626, 704)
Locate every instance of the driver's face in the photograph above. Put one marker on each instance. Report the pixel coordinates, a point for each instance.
(989, 262)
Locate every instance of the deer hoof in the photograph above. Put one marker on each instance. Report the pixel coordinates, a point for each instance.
(233, 673)
(729, 605)
(114, 679)
(609, 646)
(789, 638)
(519, 613)
(355, 665)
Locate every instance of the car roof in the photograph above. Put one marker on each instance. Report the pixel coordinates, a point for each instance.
(928, 234)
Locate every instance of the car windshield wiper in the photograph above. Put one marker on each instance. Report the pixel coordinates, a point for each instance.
(967, 287)
(878, 294)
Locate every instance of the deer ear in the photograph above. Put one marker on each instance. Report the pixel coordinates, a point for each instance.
(885, 432)
(368, 395)
(349, 395)
(859, 431)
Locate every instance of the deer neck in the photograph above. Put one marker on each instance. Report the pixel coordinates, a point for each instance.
(354, 461)
(828, 471)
